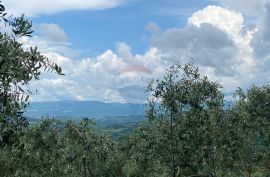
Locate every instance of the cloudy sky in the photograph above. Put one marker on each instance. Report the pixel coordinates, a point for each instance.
(96, 40)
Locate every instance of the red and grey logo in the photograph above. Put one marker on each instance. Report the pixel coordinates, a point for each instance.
(133, 82)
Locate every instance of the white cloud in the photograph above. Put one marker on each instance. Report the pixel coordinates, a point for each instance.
(39, 7)
(228, 21)
(208, 46)
(261, 41)
(246, 7)
(96, 78)
(261, 46)
(52, 32)
(221, 43)
(252, 41)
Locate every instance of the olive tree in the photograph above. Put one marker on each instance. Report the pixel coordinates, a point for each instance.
(181, 136)
(18, 66)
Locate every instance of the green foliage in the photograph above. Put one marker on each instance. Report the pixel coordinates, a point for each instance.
(189, 131)
(53, 148)
(182, 133)
(249, 128)
(18, 66)
(192, 133)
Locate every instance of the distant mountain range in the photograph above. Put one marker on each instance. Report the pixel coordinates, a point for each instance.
(79, 109)
(105, 114)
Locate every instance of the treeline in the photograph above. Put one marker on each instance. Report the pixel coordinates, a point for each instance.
(190, 130)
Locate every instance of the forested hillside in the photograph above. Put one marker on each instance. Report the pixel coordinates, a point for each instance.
(189, 130)
(78, 109)
(189, 134)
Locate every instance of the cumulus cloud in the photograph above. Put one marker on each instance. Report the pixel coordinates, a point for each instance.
(39, 7)
(261, 41)
(261, 46)
(246, 7)
(250, 39)
(219, 40)
(208, 46)
(52, 32)
(97, 78)
(227, 21)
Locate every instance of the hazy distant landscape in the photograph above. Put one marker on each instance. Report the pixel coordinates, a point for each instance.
(119, 119)
(79, 109)
(133, 88)
(104, 114)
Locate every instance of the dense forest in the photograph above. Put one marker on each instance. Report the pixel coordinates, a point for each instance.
(190, 129)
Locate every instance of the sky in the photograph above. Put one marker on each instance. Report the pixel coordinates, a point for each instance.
(109, 49)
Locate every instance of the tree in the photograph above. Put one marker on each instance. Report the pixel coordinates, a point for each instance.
(192, 132)
(248, 125)
(59, 149)
(90, 151)
(181, 136)
(18, 66)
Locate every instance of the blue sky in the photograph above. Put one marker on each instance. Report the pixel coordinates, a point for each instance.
(98, 30)
(96, 40)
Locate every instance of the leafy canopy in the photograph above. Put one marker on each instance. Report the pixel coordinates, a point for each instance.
(18, 66)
